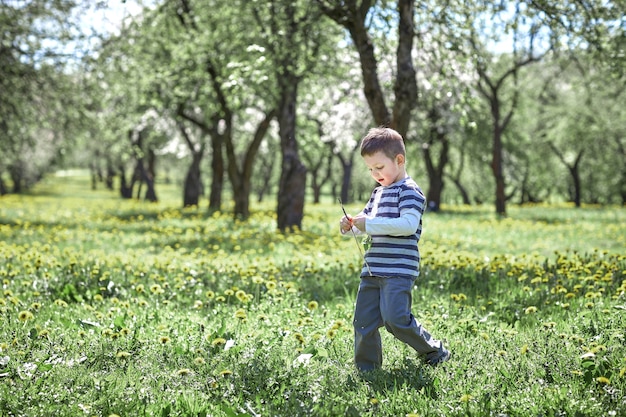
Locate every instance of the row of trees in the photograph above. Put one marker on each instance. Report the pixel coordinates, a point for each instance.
(508, 100)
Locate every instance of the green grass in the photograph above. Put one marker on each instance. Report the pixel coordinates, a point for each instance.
(113, 307)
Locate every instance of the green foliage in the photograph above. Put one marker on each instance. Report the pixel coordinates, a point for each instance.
(115, 307)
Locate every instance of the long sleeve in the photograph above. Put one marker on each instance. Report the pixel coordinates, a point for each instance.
(404, 225)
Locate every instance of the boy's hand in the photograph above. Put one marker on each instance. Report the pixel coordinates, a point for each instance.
(345, 224)
(359, 222)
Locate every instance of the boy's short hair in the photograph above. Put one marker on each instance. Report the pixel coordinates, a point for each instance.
(383, 139)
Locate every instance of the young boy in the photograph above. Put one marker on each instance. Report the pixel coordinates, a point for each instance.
(393, 220)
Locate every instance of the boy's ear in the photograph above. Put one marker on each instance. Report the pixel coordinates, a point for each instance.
(400, 159)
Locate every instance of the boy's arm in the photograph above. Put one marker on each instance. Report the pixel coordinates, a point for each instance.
(404, 225)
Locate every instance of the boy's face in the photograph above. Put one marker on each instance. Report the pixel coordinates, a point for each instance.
(385, 170)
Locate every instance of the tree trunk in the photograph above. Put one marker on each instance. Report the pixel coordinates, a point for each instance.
(622, 187)
(405, 86)
(193, 181)
(319, 184)
(217, 169)
(575, 173)
(16, 172)
(496, 169)
(110, 174)
(575, 193)
(3, 187)
(241, 180)
(126, 191)
(266, 177)
(94, 176)
(435, 172)
(292, 185)
(462, 191)
(149, 176)
(346, 180)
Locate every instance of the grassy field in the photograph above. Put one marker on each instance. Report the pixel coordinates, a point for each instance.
(113, 307)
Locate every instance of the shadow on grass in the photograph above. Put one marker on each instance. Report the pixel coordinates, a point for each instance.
(410, 375)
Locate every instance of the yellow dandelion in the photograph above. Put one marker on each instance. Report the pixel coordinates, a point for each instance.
(35, 306)
(125, 331)
(240, 314)
(257, 280)
(164, 340)
(140, 288)
(501, 353)
(374, 401)
(331, 333)
(226, 373)
(25, 316)
(603, 380)
(524, 350)
(313, 305)
(270, 285)
(60, 302)
(262, 317)
(156, 289)
(122, 355)
(229, 292)
(220, 298)
(530, 310)
(197, 305)
(98, 298)
(184, 372)
(622, 372)
(485, 336)
(299, 337)
(218, 341)
(241, 296)
(199, 361)
(338, 324)
(209, 294)
(465, 398)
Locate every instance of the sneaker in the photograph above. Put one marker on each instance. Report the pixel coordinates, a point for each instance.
(440, 359)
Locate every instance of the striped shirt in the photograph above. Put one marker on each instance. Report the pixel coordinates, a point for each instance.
(394, 222)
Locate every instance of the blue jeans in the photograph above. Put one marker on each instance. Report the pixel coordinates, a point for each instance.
(387, 302)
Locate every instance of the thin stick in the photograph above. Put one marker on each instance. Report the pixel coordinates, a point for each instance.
(356, 240)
